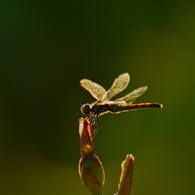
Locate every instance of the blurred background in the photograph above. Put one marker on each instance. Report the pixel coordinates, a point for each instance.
(47, 47)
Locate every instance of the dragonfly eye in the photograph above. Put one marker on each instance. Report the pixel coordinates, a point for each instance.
(86, 109)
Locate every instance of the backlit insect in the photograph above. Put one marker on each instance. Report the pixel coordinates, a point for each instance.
(104, 105)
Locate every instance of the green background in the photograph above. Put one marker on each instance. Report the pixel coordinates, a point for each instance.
(47, 47)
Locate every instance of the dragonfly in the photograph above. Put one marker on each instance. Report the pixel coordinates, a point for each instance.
(104, 105)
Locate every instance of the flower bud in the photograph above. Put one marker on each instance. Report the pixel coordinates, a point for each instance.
(91, 170)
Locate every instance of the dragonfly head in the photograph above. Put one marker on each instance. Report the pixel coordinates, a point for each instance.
(86, 109)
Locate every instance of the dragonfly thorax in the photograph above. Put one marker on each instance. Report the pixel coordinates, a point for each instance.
(86, 109)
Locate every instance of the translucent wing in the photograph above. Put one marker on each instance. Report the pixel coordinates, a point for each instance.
(120, 83)
(96, 90)
(131, 97)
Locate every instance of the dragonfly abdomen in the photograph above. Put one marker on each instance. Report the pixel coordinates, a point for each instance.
(115, 108)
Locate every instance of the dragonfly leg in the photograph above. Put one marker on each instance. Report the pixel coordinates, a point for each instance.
(91, 119)
(97, 126)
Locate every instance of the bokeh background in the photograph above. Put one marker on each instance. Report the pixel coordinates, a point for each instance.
(47, 47)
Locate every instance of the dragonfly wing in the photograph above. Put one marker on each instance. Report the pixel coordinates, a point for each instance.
(120, 83)
(96, 90)
(131, 97)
